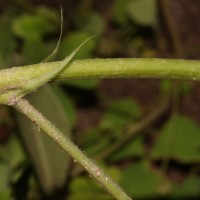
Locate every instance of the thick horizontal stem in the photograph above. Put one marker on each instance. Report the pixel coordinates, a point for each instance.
(105, 68)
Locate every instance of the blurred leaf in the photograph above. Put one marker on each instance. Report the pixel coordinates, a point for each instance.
(186, 87)
(94, 25)
(5, 192)
(50, 161)
(7, 42)
(140, 181)
(84, 84)
(133, 149)
(119, 11)
(166, 86)
(71, 41)
(94, 141)
(143, 12)
(120, 112)
(33, 192)
(149, 53)
(114, 172)
(137, 43)
(12, 153)
(34, 51)
(6, 123)
(128, 106)
(4, 180)
(12, 166)
(188, 189)
(31, 27)
(67, 104)
(48, 14)
(84, 188)
(179, 139)
(90, 136)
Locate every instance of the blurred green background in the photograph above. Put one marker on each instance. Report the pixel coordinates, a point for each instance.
(144, 132)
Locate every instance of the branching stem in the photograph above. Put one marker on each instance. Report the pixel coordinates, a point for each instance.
(16, 82)
(67, 145)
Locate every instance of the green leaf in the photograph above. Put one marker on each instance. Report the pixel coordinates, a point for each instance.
(13, 158)
(94, 141)
(143, 12)
(7, 42)
(119, 11)
(50, 162)
(34, 51)
(133, 149)
(128, 107)
(5, 191)
(140, 181)
(71, 41)
(84, 84)
(179, 139)
(114, 172)
(166, 86)
(12, 152)
(31, 27)
(120, 112)
(83, 188)
(48, 14)
(5, 194)
(4, 180)
(94, 24)
(188, 189)
(67, 105)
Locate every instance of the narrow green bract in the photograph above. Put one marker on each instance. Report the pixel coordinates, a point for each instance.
(11, 94)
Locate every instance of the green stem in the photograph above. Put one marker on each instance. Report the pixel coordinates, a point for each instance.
(65, 143)
(104, 68)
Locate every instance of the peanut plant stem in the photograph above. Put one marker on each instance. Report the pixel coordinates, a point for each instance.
(67, 145)
(104, 68)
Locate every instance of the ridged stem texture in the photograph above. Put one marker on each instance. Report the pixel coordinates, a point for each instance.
(67, 145)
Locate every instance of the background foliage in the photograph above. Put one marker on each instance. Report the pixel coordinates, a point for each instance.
(150, 146)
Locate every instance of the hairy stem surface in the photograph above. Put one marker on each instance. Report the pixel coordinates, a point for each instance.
(104, 68)
(67, 145)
